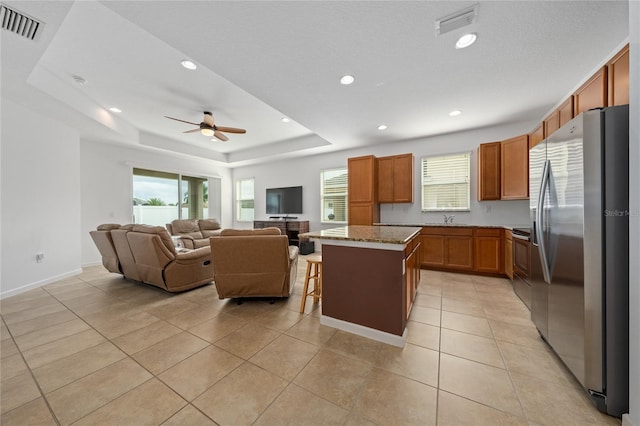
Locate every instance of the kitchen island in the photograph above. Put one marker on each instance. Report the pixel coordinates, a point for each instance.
(370, 276)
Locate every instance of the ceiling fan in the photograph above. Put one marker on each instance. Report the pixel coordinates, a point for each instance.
(209, 128)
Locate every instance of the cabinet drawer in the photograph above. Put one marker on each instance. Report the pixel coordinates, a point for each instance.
(488, 232)
(446, 230)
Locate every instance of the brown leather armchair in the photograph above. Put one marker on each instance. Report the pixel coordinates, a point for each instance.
(102, 238)
(253, 263)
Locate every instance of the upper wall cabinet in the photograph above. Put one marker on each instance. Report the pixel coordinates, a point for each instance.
(363, 198)
(489, 171)
(395, 179)
(536, 136)
(558, 118)
(514, 168)
(618, 78)
(503, 170)
(592, 94)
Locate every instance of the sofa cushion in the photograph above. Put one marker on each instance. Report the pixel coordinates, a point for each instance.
(249, 232)
(208, 224)
(108, 226)
(185, 226)
(161, 231)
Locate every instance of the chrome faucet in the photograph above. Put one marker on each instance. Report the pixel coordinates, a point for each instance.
(448, 219)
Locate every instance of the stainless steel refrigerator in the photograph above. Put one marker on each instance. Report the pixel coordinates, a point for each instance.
(579, 205)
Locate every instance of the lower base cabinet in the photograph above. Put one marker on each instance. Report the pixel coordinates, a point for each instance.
(460, 248)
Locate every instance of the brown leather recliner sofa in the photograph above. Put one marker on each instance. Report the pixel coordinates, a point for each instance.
(195, 233)
(102, 238)
(253, 263)
(146, 253)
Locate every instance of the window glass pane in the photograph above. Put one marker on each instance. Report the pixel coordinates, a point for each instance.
(244, 200)
(445, 183)
(195, 197)
(334, 190)
(155, 197)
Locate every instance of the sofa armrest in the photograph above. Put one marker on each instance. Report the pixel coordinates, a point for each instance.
(188, 241)
(194, 256)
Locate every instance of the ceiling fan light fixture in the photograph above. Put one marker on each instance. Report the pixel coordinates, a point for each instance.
(466, 40)
(346, 80)
(207, 132)
(188, 64)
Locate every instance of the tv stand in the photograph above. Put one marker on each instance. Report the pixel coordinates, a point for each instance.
(290, 228)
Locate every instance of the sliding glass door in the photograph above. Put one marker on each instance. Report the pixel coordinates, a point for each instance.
(160, 197)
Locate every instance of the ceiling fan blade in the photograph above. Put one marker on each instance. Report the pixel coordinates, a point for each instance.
(192, 131)
(208, 119)
(177, 119)
(230, 129)
(220, 136)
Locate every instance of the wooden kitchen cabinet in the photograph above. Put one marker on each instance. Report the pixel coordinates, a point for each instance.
(363, 198)
(395, 179)
(412, 272)
(489, 171)
(488, 250)
(449, 248)
(508, 254)
(536, 136)
(565, 112)
(514, 168)
(551, 123)
(592, 94)
(618, 78)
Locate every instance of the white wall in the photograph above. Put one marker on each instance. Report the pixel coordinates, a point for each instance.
(40, 199)
(634, 220)
(306, 172)
(105, 173)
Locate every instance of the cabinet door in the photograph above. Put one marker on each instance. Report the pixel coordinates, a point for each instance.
(488, 250)
(536, 136)
(459, 252)
(362, 214)
(514, 172)
(409, 281)
(593, 93)
(386, 180)
(489, 171)
(565, 112)
(432, 250)
(361, 179)
(551, 123)
(403, 178)
(508, 255)
(618, 78)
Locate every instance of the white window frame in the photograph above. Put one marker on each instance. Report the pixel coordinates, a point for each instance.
(323, 218)
(240, 199)
(463, 177)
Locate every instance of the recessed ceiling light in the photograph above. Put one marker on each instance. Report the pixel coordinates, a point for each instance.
(114, 109)
(455, 113)
(382, 127)
(466, 40)
(347, 79)
(188, 64)
(285, 119)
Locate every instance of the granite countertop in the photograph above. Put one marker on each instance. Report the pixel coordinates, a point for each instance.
(454, 225)
(397, 234)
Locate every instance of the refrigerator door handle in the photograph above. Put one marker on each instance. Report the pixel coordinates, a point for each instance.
(539, 229)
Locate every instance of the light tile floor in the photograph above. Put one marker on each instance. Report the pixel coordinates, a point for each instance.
(98, 349)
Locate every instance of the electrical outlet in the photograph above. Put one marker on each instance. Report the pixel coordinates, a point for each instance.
(39, 257)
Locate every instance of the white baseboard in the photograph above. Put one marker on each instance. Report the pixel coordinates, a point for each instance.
(626, 420)
(27, 287)
(361, 330)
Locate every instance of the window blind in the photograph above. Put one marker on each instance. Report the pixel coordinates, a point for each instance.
(333, 191)
(445, 182)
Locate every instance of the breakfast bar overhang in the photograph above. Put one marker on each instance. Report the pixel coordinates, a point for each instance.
(370, 276)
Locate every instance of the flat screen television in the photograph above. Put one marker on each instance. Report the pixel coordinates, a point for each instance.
(284, 200)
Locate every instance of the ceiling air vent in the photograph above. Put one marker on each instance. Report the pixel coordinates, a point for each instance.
(459, 19)
(19, 23)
